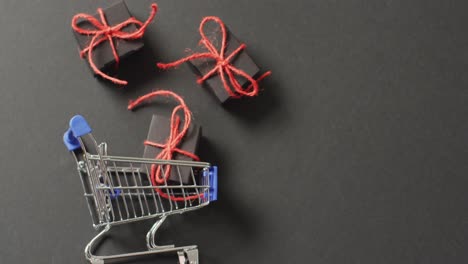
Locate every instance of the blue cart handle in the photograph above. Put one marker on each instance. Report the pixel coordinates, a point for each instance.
(78, 128)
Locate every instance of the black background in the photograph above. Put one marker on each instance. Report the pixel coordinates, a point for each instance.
(355, 152)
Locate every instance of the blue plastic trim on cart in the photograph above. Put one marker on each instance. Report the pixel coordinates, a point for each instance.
(70, 141)
(79, 126)
(115, 193)
(213, 180)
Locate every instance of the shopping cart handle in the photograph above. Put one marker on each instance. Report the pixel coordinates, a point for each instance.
(70, 141)
(78, 127)
(213, 180)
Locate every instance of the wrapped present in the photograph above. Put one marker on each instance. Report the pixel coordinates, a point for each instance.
(160, 139)
(223, 62)
(109, 36)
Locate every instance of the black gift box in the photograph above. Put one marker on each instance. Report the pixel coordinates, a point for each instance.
(241, 61)
(102, 54)
(159, 133)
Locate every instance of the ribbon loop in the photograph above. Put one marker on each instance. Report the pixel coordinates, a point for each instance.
(102, 32)
(223, 65)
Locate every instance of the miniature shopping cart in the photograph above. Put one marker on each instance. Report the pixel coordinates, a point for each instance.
(119, 190)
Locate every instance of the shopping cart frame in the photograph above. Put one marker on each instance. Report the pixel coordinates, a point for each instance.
(105, 184)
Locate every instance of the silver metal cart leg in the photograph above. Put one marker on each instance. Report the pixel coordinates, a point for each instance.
(186, 255)
(90, 247)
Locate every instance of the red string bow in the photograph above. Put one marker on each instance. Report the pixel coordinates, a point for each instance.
(159, 175)
(104, 32)
(223, 66)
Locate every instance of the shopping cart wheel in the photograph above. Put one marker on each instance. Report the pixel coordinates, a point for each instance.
(188, 256)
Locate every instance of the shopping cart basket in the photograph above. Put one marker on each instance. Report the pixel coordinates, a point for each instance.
(118, 190)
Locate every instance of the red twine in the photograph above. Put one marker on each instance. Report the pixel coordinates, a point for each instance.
(105, 32)
(176, 135)
(223, 63)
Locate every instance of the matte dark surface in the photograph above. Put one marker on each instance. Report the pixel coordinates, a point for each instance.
(355, 152)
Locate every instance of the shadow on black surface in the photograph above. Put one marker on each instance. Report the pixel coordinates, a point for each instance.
(226, 216)
(226, 210)
(254, 110)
